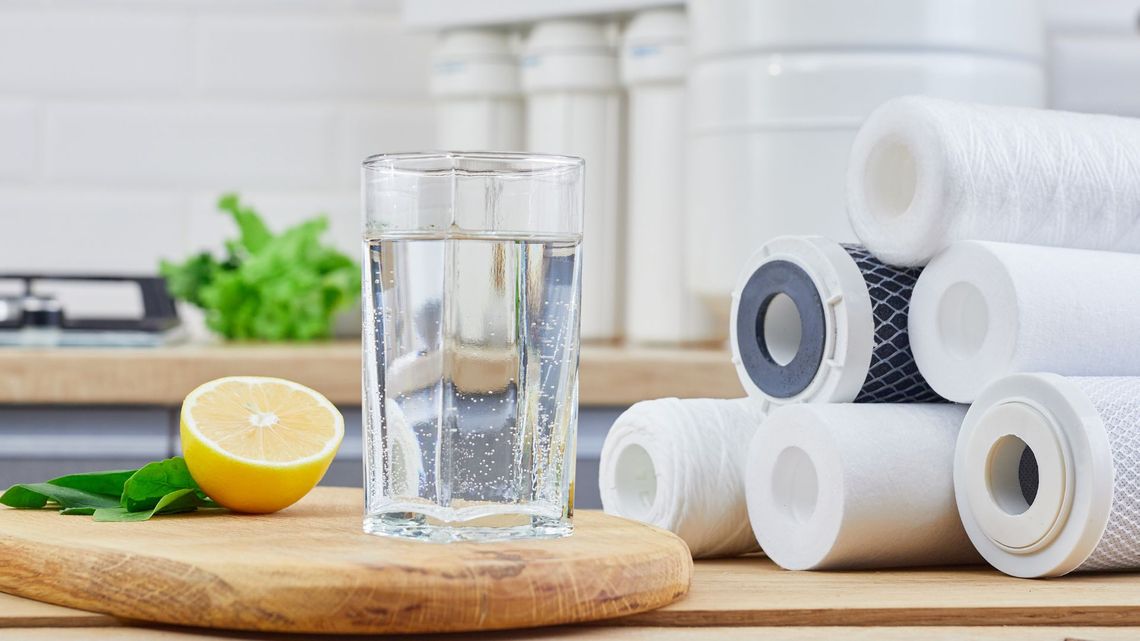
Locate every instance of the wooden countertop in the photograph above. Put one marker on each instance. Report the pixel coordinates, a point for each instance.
(748, 598)
(609, 375)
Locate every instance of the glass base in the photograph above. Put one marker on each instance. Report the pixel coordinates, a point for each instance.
(419, 527)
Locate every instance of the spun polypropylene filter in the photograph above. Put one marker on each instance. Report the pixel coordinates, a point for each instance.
(678, 464)
(926, 172)
(1047, 474)
(981, 310)
(835, 486)
(813, 320)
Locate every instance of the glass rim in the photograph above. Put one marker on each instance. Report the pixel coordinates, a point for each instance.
(420, 163)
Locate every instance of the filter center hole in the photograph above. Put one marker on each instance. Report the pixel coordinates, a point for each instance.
(636, 482)
(781, 329)
(963, 320)
(795, 484)
(891, 179)
(1011, 475)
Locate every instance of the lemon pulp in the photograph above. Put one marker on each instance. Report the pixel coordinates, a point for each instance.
(257, 444)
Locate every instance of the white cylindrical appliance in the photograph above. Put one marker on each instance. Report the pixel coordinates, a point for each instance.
(658, 305)
(778, 89)
(1094, 56)
(573, 106)
(478, 101)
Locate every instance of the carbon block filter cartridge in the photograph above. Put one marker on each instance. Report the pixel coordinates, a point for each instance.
(982, 310)
(1047, 474)
(833, 486)
(813, 320)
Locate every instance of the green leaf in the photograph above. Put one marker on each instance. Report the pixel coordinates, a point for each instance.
(38, 495)
(254, 233)
(110, 482)
(162, 487)
(277, 287)
(154, 482)
(186, 280)
(178, 501)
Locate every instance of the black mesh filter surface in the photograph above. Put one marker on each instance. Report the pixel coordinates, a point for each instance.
(1027, 475)
(893, 376)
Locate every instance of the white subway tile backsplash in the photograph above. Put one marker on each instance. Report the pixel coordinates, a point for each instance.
(121, 121)
(18, 142)
(314, 56)
(187, 145)
(82, 52)
(364, 131)
(88, 231)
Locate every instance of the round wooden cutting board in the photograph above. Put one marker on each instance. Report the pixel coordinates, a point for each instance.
(310, 569)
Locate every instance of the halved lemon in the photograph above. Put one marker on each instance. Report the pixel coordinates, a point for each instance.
(257, 444)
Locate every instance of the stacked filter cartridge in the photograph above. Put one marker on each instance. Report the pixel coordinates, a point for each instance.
(1025, 221)
(816, 321)
(820, 336)
(999, 265)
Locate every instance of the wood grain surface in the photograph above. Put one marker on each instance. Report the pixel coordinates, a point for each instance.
(752, 591)
(595, 633)
(610, 375)
(310, 569)
(26, 619)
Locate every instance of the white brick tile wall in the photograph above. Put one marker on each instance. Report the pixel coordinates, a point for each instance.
(75, 52)
(121, 121)
(180, 145)
(364, 131)
(98, 231)
(334, 56)
(19, 155)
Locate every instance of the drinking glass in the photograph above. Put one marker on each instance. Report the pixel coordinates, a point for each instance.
(471, 299)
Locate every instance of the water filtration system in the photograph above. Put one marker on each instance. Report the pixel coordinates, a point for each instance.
(574, 107)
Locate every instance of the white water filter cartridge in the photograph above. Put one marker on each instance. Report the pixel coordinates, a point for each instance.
(1047, 474)
(679, 464)
(926, 172)
(841, 486)
(982, 310)
(478, 101)
(659, 308)
(573, 106)
(817, 321)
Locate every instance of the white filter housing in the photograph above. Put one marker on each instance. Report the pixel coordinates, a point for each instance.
(779, 89)
(475, 81)
(659, 307)
(573, 107)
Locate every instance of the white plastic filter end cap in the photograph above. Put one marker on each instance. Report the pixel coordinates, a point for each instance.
(1048, 528)
(847, 314)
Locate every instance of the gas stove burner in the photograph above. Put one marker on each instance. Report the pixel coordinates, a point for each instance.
(70, 310)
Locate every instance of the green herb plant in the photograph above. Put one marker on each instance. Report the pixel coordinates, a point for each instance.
(161, 487)
(274, 287)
